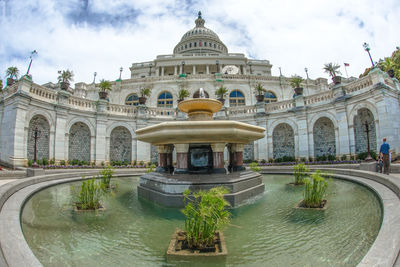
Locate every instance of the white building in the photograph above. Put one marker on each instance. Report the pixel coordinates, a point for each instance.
(75, 124)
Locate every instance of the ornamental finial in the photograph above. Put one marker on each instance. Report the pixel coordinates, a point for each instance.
(199, 14)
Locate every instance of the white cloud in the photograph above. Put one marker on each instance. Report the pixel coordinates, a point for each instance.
(291, 34)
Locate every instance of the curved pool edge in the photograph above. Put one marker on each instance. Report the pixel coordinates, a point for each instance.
(16, 252)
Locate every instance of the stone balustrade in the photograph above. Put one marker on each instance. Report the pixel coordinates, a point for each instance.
(359, 84)
(279, 106)
(312, 99)
(82, 104)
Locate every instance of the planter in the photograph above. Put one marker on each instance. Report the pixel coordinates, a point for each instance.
(178, 246)
(222, 100)
(10, 81)
(323, 206)
(142, 100)
(260, 98)
(179, 100)
(390, 73)
(77, 208)
(337, 80)
(64, 86)
(298, 91)
(103, 95)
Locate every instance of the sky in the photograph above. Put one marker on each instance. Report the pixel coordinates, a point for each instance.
(88, 36)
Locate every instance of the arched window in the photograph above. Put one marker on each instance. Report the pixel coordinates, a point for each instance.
(165, 100)
(270, 97)
(236, 98)
(132, 100)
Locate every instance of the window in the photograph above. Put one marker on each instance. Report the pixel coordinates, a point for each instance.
(165, 100)
(195, 44)
(236, 98)
(270, 97)
(132, 100)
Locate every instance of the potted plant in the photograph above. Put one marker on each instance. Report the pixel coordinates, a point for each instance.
(388, 65)
(205, 216)
(260, 91)
(144, 92)
(220, 93)
(333, 70)
(65, 78)
(295, 82)
(105, 86)
(182, 94)
(13, 72)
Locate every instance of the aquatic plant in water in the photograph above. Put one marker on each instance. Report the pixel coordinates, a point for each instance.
(90, 195)
(315, 190)
(300, 173)
(106, 175)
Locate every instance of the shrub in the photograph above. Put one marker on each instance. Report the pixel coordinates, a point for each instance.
(134, 163)
(204, 215)
(254, 167)
(90, 194)
(363, 155)
(300, 173)
(287, 159)
(30, 162)
(106, 175)
(141, 163)
(315, 190)
(263, 161)
(62, 162)
(310, 159)
(343, 157)
(270, 160)
(303, 159)
(102, 163)
(52, 161)
(39, 162)
(331, 157)
(150, 168)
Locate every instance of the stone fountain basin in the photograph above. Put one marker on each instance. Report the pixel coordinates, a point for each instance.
(184, 132)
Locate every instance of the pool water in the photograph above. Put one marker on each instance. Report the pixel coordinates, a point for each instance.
(267, 232)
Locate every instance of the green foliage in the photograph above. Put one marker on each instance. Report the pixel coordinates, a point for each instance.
(254, 167)
(363, 155)
(52, 161)
(45, 161)
(141, 163)
(145, 92)
(150, 168)
(62, 162)
(296, 81)
(90, 194)
(66, 76)
(134, 162)
(30, 162)
(260, 90)
(300, 173)
(183, 93)
(285, 159)
(221, 92)
(13, 72)
(332, 69)
(106, 175)
(205, 214)
(78, 162)
(1, 85)
(39, 162)
(263, 161)
(314, 190)
(343, 157)
(105, 85)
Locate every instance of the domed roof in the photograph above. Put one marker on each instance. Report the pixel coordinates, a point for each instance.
(200, 40)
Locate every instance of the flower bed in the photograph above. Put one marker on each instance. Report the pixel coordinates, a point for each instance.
(87, 166)
(309, 163)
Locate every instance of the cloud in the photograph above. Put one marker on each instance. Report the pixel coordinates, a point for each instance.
(88, 36)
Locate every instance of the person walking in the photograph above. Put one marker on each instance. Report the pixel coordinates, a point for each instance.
(384, 151)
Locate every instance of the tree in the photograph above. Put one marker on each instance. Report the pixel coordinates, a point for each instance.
(145, 92)
(260, 90)
(332, 69)
(105, 85)
(13, 72)
(66, 76)
(182, 94)
(221, 92)
(296, 81)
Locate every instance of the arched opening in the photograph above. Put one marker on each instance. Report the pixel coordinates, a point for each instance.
(324, 138)
(283, 141)
(236, 98)
(132, 100)
(79, 142)
(165, 100)
(121, 145)
(364, 116)
(40, 127)
(270, 97)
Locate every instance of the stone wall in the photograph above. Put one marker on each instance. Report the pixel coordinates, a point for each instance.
(324, 137)
(283, 141)
(154, 154)
(79, 142)
(360, 136)
(42, 143)
(248, 153)
(120, 144)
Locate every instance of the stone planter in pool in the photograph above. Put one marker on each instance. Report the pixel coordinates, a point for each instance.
(300, 205)
(178, 246)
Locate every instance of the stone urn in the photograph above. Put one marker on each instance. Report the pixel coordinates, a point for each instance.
(142, 100)
(10, 81)
(103, 95)
(260, 98)
(298, 91)
(64, 86)
(337, 80)
(390, 73)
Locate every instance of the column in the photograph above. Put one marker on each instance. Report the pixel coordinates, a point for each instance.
(170, 161)
(302, 133)
(244, 70)
(180, 69)
(175, 70)
(182, 152)
(162, 158)
(207, 69)
(218, 157)
(342, 138)
(194, 70)
(236, 157)
(61, 123)
(100, 135)
(162, 70)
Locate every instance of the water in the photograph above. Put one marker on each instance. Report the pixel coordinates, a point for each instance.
(269, 232)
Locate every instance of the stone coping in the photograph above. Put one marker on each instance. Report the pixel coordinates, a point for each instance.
(16, 252)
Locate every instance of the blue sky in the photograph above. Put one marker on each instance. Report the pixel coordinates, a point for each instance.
(87, 36)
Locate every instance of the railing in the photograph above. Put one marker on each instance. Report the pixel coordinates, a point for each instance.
(279, 106)
(312, 99)
(358, 84)
(163, 112)
(43, 92)
(122, 109)
(82, 103)
(241, 110)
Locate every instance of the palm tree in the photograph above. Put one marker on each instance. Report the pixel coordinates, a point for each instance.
(295, 82)
(104, 87)
(144, 92)
(182, 94)
(13, 72)
(260, 91)
(332, 69)
(65, 78)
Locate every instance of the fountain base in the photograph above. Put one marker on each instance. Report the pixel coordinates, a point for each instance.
(167, 189)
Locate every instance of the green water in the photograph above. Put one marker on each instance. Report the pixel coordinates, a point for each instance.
(268, 232)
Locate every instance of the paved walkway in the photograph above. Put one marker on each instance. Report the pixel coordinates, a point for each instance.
(2, 182)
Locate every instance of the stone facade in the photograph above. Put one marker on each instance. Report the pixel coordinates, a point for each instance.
(120, 145)
(42, 142)
(324, 137)
(283, 138)
(364, 116)
(79, 142)
(248, 152)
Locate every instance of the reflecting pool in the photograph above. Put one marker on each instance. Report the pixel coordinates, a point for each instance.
(267, 232)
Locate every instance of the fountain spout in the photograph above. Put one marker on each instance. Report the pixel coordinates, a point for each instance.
(201, 93)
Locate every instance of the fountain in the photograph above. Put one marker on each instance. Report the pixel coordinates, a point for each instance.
(200, 143)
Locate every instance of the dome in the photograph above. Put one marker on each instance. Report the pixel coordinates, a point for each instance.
(200, 40)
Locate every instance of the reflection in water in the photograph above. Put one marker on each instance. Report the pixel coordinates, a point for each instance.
(268, 232)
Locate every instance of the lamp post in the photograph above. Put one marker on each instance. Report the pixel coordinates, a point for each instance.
(94, 77)
(367, 130)
(306, 70)
(251, 71)
(183, 67)
(217, 63)
(367, 48)
(36, 135)
(120, 73)
(34, 52)
(150, 66)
